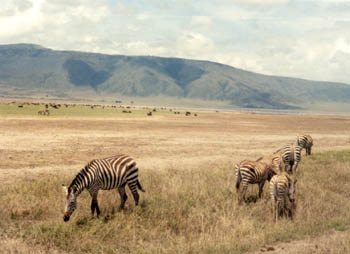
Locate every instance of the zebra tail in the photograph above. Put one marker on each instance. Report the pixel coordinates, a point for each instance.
(239, 178)
(139, 186)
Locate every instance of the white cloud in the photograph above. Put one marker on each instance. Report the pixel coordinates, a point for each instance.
(201, 20)
(21, 19)
(11, 8)
(193, 45)
(342, 44)
(259, 1)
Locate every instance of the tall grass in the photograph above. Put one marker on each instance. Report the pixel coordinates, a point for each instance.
(181, 212)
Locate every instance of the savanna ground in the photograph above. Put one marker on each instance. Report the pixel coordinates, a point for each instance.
(187, 168)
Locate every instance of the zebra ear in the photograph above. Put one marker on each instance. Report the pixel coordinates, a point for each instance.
(65, 189)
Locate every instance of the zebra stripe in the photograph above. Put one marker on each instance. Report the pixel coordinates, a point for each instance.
(251, 172)
(306, 142)
(291, 156)
(282, 191)
(104, 174)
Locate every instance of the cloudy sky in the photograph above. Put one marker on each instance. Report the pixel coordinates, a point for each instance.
(296, 38)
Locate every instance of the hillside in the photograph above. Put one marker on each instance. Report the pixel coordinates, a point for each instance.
(27, 68)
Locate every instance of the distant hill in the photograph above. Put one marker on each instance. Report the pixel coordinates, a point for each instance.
(28, 67)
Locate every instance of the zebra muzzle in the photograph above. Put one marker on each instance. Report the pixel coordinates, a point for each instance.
(66, 217)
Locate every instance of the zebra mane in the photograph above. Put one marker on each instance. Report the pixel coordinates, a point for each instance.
(78, 180)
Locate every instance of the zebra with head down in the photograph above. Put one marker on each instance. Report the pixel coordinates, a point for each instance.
(103, 174)
(282, 191)
(251, 172)
(291, 156)
(305, 141)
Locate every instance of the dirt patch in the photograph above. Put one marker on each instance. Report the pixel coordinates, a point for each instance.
(332, 242)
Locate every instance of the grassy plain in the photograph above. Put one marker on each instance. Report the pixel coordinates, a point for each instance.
(186, 167)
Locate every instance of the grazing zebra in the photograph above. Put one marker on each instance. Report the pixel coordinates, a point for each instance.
(305, 141)
(291, 156)
(106, 174)
(274, 161)
(251, 172)
(282, 190)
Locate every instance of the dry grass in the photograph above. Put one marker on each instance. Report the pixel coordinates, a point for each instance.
(182, 212)
(186, 166)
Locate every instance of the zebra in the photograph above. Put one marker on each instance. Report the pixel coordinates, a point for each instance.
(282, 191)
(251, 172)
(106, 174)
(291, 156)
(305, 141)
(274, 161)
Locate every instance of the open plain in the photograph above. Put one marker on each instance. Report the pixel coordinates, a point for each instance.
(187, 168)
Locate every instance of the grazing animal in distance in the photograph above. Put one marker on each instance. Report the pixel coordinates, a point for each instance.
(103, 174)
(251, 172)
(282, 191)
(44, 112)
(305, 141)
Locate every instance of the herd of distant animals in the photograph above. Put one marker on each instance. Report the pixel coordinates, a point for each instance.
(46, 111)
(118, 171)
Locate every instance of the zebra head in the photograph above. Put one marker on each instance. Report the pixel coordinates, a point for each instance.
(70, 202)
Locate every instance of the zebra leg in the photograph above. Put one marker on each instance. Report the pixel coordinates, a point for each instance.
(261, 187)
(239, 196)
(292, 211)
(94, 203)
(133, 189)
(123, 196)
(279, 209)
(94, 206)
(284, 213)
(290, 214)
(244, 190)
(275, 210)
(295, 168)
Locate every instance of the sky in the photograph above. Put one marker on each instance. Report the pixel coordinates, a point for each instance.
(294, 38)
